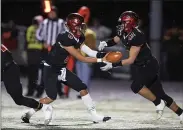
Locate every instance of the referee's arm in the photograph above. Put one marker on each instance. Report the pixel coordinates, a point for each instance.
(40, 32)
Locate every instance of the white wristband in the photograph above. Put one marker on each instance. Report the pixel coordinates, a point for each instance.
(99, 60)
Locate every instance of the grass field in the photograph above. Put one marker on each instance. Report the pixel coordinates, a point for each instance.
(112, 98)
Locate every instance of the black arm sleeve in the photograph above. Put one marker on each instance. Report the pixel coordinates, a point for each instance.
(110, 42)
(101, 54)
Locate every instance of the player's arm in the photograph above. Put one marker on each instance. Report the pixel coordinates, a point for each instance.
(109, 43)
(91, 53)
(89, 45)
(67, 43)
(134, 51)
(136, 43)
(74, 52)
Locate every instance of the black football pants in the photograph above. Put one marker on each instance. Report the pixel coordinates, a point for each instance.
(59, 83)
(68, 78)
(11, 79)
(148, 75)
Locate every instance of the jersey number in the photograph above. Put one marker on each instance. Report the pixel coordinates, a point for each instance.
(3, 48)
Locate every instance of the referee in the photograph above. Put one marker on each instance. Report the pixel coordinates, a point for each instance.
(47, 33)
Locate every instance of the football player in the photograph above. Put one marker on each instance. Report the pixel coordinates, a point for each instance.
(11, 78)
(68, 44)
(145, 67)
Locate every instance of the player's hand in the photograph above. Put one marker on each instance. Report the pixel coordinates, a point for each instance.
(102, 45)
(107, 67)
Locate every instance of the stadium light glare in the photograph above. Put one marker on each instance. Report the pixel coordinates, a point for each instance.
(47, 6)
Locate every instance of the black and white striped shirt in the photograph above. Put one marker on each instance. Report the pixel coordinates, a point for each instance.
(49, 29)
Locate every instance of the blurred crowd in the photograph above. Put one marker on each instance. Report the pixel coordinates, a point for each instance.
(25, 43)
(172, 52)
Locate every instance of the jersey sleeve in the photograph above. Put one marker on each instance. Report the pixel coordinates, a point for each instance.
(137, 40)
(65, 40)
(82, 38)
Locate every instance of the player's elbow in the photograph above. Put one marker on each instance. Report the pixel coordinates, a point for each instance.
(131, 61)
(116, 39)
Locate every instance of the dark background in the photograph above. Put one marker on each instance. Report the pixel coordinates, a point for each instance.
(108, 11)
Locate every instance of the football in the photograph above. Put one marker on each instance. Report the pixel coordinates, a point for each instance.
(113, 57)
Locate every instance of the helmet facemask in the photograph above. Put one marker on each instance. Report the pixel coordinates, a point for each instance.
(75, 24)
(127, 22)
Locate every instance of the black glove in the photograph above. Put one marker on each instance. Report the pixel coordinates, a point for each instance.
(101, 54)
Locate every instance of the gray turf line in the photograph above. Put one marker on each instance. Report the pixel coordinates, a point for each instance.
(88, 129)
